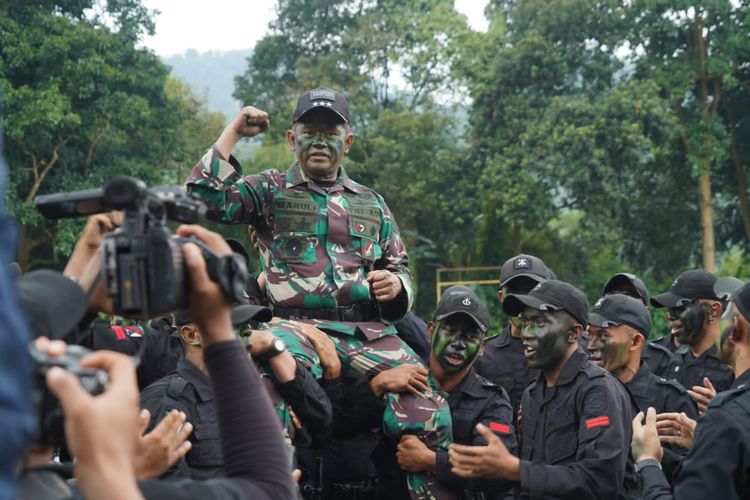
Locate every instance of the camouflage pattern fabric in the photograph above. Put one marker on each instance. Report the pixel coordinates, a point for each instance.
(428, 418)
(316, 246)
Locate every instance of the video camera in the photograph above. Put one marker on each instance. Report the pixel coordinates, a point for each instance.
(142, 262)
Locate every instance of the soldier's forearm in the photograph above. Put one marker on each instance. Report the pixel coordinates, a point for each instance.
(227, 141)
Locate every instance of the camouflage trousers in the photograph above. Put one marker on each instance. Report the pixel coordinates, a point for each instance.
(427, 417)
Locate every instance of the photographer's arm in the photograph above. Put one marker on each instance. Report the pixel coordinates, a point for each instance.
(254, 455)
(89, 243)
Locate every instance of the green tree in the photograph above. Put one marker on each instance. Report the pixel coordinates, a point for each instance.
(692, 50)
(81, 104)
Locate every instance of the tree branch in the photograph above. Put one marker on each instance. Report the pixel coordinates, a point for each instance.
(39, 178)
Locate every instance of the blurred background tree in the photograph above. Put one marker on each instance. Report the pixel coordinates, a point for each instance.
(601, 136)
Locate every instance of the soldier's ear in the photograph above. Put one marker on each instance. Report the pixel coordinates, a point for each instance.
(500, 295)
(638, 340)
(575, 333)
(291, 139)
(430, 328)
(190, 334)
(348, 141)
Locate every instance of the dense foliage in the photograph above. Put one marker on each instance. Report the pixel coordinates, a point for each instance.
(601, 136)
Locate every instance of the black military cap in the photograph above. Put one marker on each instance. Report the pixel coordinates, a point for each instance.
(689, 286)
(524, 265)
(736, 291)
(322, 98)
(619, 309)
(241, 313)
(52, 303)
(462, 299)
(550, 296)
(617, 281)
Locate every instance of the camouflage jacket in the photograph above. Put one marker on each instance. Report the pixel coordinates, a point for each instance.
(316, 245)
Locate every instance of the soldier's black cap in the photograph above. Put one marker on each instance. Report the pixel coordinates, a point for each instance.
(622, 280)
(524, 265)
(241, 314)
(325, 99)
(550, 295)
(737, 291)
(462, 300)
(52, 303)
(689, 286)
(620, 309)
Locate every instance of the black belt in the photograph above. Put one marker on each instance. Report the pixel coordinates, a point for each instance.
(356, 313)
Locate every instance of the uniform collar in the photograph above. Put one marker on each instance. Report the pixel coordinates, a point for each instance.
(638, 385)
(503, 338)
(296, 176)
(712, 352)
(743, 379)
(471, 384)
(572, 367)
(200, 380)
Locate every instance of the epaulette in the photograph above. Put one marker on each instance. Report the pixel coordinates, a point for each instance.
(673, 383)
(729, 394)
(176, 386)
(659, 347)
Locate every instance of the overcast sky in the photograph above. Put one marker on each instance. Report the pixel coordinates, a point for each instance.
(232, 24)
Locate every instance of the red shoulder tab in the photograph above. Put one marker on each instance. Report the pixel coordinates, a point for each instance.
(498, 427)
(119, 332)
(597, 422)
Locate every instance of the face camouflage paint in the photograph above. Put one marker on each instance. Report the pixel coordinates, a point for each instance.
(319, 148)
(456, 342)
(608, 347)
(545, 338)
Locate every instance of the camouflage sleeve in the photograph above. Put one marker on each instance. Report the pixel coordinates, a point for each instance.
(395, 259)
(230, 197)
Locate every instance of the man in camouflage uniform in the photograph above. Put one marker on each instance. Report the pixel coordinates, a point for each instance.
(329, 247)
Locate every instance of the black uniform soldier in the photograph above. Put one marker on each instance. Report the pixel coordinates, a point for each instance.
(456, 334)
(718, 464)
(654, 354)
(575, 428)
(618, 327)
(189, 390)
(695, 363)
(502, 360)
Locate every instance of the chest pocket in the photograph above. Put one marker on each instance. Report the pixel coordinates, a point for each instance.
(295, 224)
(561, 436)
(206, 449)
(364, 225)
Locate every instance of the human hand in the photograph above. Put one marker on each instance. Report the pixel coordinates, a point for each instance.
(324, 346)
(250, 121)
(492, 461)
(209, 307)
(675, 428)
(98, 225)
(260, 341)
(403, 378)
(104, 459)
(702, 395)
(163, 446)
(645, 443)
(414, 456)
(385, 285)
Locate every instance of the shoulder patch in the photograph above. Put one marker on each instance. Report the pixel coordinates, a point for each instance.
(595, 402)
(672, 382)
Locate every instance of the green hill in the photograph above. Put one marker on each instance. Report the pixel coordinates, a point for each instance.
(211, 75)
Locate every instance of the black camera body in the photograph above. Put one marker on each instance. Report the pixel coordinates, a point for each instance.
(142, 264)
(51, 431)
